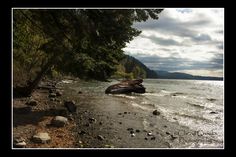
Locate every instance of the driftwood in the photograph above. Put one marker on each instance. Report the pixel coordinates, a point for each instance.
(126, 86)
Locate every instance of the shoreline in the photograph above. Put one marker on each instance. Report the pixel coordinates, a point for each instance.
(110, 125)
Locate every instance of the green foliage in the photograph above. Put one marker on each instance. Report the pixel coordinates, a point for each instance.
(83, 42)
(132, 68)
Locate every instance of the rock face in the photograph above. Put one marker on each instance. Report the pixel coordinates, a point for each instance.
(59, 121)
(41, 137)
(125, 87)
(70, 105)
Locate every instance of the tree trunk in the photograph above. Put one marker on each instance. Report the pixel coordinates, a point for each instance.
(33, 85)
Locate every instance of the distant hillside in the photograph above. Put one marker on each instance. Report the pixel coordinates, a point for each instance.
(132, 68)
(178, 75)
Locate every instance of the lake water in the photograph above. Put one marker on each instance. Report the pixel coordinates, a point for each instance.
(196, 104)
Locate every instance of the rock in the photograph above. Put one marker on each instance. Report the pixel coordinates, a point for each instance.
(132, 135)
(92, 120)
(149, 134)
(130, 129)
(146, 138)
(52, 99)
(213, 112)
(131, 132)
(70, 105)
(59, 121)
(125, 112)
(19, 142)
(20, 145)
(70, 117)
(153, 138)
(41, 137)
(165, 126)
(82, 132)
(120, 122)
(51, 90)
(58, 93)
(100, 137)
(125, 87)
(137, 130)
(119, 113)
(100, 123)
(173, 137)
(79, 92)
(167, 133)
(32, 102)
(52, 95)
(155, 112)
(109, 146)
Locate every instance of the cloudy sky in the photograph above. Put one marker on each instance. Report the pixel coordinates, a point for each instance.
(182, 40)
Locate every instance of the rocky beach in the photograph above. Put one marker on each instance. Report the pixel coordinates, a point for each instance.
(69, 118)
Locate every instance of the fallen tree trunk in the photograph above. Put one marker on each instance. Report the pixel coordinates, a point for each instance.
(125, 87)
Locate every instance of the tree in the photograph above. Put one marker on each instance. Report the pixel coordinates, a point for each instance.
(86, 42)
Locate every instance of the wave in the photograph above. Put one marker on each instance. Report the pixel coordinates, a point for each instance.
(192, 117)
(195, 105)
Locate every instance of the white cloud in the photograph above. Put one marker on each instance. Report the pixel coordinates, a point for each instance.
(187, 33)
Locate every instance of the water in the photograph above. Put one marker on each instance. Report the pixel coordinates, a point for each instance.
(195, 104)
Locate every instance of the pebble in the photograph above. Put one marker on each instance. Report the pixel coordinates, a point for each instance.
(92, 120)
(167, 133)
(137, 130)
(58, 93)
(70, 105)
(153, 138)
(146, 138)
(82, 132)
(132, 135)
(213, 112)
(19, 142)
(155, 112)
(129, 129)
(100, 137)
(59, 121)
(149, 134)
(119, 113)
(125, 112)
(32, 102)
(41, 137)
(120, 122)
(52, 95)
(131, 132)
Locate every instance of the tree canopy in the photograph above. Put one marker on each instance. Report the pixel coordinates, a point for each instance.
(86, 43)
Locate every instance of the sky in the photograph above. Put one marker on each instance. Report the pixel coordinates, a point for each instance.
(189, 40)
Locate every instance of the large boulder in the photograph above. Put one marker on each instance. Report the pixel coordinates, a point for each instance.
(125, 87)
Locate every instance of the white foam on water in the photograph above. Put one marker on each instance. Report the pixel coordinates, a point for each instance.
(140, 106)
(124, 96)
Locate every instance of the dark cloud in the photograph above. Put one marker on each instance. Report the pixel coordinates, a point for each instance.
(219, 31)
(172, 26)
(220, 46)
(161, 41)
(177, 63)
(201, 37)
